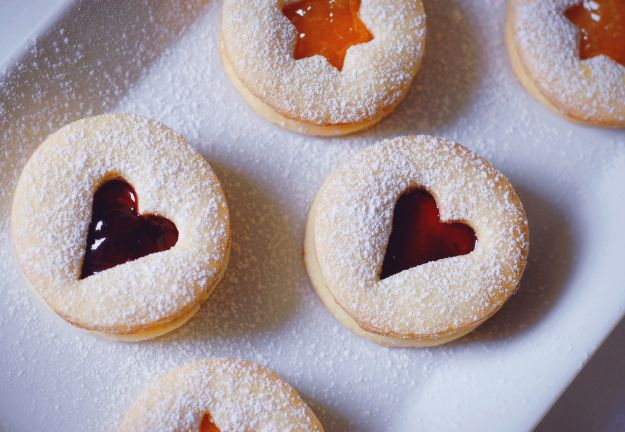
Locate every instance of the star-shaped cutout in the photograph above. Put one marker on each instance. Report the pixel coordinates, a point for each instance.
(602, 28)
(327, 28)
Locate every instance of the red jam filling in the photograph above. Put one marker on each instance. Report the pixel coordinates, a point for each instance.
(327, 28)
(602, 28)
(418, 236)
(118, 233)
(207, 424)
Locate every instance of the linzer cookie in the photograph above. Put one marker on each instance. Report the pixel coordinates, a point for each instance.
(220, 395)
(323, 67)
(120, 226)
(416, 241)
(570, 56)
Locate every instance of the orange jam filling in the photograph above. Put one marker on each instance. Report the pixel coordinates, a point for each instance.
(602, 28)
(327, 28)
(207, 424)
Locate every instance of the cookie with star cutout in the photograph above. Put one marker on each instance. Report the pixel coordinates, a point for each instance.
(570, 56)
(323, 67)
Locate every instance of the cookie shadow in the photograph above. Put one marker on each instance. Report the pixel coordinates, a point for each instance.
(258, 290)
(451, 70)
(552, 258)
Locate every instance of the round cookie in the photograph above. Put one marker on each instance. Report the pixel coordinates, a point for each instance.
(351, 223)
(220, 395)
(544, 49)
(51, 222)
(310, 95)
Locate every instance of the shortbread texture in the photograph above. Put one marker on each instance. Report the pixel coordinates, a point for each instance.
(544, 47)
(52, 210)
(258, 44)
(352, 222)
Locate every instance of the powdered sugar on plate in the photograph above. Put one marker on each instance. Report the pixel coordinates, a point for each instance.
(55, 377)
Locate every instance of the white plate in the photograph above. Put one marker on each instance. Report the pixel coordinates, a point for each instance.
(162, 61)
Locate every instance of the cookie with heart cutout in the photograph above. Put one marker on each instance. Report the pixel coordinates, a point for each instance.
(570, 56)
(120, 227)
(416, 241)
(220, 395)
(323, 67)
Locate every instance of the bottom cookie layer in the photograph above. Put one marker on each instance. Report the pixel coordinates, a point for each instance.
(161, 330)
(152, 332)
(276, 118)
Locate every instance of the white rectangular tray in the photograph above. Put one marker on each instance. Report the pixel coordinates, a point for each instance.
(160, 59)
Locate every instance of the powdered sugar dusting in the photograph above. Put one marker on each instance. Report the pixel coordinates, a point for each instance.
(592, 89)
(259, 41)
(55, 377)
(51, 215)
(353, 223)
(239, 396)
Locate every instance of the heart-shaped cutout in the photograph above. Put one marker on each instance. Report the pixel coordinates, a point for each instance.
(418, 236)
(118, 233)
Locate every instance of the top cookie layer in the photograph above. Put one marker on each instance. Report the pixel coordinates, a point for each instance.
(52, 211)
(238, 395)
(546, 42)
(353, 222)
(259, 41)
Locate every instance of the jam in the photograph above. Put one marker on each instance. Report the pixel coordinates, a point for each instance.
(207, 424)
(602, 28)
(118, 233)
(418, 236)
(327, 28)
